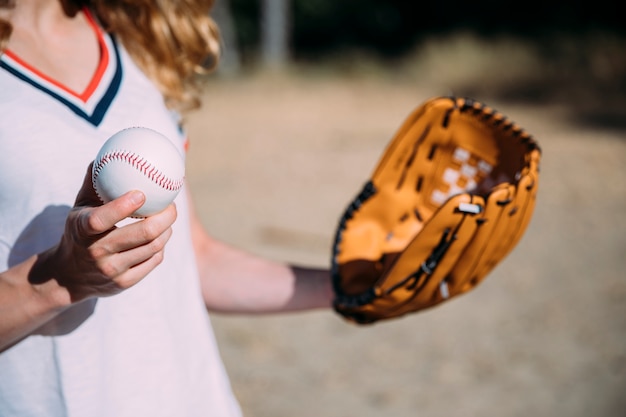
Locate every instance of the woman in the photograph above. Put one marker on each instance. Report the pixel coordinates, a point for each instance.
(101, 315)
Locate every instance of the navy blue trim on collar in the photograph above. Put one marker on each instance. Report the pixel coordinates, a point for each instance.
(103, 105)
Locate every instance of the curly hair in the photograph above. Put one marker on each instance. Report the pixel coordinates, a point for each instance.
(171, 41)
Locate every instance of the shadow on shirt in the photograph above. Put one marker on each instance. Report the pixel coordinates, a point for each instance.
(43, 232)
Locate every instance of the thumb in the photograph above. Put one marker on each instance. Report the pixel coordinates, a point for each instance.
(93, 221)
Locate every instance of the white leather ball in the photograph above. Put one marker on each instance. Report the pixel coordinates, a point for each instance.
(141, 159)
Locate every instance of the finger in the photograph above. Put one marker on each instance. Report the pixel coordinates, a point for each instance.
(137, 256)
(140, 233)
(98, 220)
(117, 265)
(139, 271)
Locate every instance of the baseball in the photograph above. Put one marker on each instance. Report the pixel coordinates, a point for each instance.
(141, 159)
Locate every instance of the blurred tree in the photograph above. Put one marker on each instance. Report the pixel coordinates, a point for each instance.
(279, 30)
(230, 61)
(275, 30)
(246, 15)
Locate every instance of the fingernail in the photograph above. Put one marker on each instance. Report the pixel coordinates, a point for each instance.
(137, 197)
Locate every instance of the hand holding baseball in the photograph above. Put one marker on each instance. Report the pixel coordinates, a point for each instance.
(95, 258)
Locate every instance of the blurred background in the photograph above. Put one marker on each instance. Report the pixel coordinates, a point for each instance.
(307, 96)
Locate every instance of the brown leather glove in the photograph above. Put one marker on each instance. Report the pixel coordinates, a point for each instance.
(451, 196)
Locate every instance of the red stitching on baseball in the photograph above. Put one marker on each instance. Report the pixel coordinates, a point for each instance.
(141, 165)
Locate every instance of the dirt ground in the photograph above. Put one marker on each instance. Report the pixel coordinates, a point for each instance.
(274, 162)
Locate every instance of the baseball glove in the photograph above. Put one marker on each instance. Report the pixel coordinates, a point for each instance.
(451, 196)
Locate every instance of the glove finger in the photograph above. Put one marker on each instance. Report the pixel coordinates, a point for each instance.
(430, 286)
(528, 195)
(465, 275)
(515, 218)
(409, 156)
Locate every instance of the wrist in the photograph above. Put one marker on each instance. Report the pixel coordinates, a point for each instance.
(27, 303)
(314, 285)
(49, 294)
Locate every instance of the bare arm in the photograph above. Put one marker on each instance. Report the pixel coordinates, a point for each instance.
(234, 281)
(93, 259)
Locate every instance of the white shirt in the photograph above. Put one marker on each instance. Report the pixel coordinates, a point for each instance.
(149, 351)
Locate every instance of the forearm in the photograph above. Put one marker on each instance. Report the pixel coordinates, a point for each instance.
(28, 300)
(234, 281)
(94, 258)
